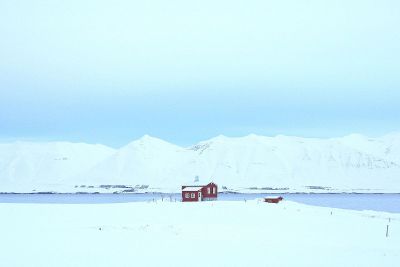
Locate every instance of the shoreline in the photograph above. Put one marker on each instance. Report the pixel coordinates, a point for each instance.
(174, 193)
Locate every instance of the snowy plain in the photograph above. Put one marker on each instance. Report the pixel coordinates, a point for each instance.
(223, 233)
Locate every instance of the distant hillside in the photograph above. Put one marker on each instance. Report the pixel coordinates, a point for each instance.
(26, 166)
(351, 163)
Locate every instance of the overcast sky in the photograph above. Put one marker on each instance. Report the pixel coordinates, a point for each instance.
(111, 71)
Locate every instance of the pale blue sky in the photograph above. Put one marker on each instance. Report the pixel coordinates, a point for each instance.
(111, 71)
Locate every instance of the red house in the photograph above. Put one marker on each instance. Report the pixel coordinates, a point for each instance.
(273, 199)
(191, 193)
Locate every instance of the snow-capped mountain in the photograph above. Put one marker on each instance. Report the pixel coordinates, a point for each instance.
(296, 162)
(26, 166)
(147, 161)
(351, 163)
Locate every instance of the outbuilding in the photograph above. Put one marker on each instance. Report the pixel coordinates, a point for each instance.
(273, 199)
(192, 193)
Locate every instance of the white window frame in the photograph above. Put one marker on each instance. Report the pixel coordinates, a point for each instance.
(187, 195)
(208, 190)
(214, 190)
(193, 195)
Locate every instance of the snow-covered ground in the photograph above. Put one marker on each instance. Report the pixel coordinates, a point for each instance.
(221, 233)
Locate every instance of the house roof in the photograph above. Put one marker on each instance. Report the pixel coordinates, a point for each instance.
(192, 188)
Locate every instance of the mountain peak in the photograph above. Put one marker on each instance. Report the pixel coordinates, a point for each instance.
(147, 137)
(147, 140)
(220, 137)
(355, 136)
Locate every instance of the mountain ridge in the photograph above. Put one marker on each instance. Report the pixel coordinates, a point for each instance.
(345, 163)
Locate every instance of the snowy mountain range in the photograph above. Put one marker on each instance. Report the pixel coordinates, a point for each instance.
(353, 163)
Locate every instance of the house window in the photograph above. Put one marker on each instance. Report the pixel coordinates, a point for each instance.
(192, 195)
(187, 195)
(208, 190)
(214, 190)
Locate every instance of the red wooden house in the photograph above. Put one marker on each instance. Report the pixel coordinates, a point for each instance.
(273, 199)
(191, 193)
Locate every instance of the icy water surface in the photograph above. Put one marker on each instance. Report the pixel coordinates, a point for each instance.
(376, 202)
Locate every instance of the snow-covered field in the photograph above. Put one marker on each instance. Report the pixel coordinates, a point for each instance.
(234, 233)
